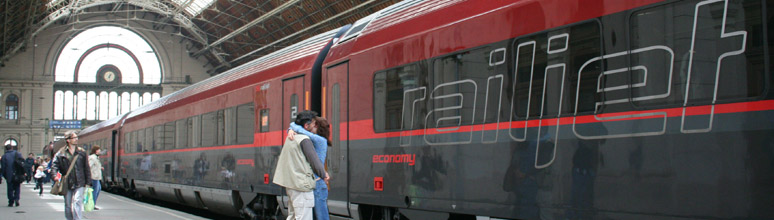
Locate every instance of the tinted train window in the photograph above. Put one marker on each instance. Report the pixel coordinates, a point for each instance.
(245, 123)
(221, 118)
(457, 80)
(169, 135)
(547, 67)
(397, 91)
(209, 129)
(140, 141)
(152, 136)
(730, 66)
(181, 133)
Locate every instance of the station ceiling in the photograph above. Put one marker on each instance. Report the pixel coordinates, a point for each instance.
(226, 32)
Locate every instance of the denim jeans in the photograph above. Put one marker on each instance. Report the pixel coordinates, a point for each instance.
(321, 201)
(97, 188)
(74, 210)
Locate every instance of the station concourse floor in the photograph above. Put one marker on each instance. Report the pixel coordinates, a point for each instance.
(49, 207)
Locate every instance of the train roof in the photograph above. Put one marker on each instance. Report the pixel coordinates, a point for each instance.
(296, 51)
(110, 123)
(394, 14)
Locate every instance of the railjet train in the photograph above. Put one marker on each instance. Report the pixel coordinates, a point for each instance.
(452, 109)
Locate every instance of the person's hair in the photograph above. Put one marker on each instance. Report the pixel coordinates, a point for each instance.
(69, 134)
(8, 147)
(304, 117)
(323, 129)
(94, 149)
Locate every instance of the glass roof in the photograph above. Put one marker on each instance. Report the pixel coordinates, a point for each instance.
(194, 7)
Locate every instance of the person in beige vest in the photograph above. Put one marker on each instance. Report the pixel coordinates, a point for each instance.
(296, 166)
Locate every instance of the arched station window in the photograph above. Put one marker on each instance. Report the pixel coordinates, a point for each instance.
(103, 72)
(10, 141)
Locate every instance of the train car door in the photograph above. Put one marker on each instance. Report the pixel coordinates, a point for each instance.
(111, 155)
(336, 110)
(292, 101)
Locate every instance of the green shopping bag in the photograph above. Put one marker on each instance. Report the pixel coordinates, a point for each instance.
(88, 200)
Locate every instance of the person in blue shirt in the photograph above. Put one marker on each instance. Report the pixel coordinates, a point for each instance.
(319, 136)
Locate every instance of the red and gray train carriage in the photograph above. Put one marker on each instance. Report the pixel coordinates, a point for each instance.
(105, 135)
(492, 109)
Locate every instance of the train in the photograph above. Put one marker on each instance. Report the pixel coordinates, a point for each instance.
(483, 109)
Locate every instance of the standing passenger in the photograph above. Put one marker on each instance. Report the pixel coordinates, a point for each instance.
(11, 170)
(28, 164)
(96, 172)
(296, 166)
(79, 177)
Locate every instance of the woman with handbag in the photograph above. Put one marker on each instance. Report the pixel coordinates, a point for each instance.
(76, 176)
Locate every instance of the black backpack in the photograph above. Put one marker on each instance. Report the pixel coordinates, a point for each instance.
(18, 169)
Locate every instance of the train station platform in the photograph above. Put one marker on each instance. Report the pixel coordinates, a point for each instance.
(47, 206)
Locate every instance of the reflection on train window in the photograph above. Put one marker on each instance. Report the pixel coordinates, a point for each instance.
(546, 71)
(456, 81)
(209, 131)
(395, 92)
(245, 123)
(221, 128)
(181, 133)
(140, 140)
(150, 143)
(293, 107)
(335, 121)
(169, 136)
(264, 120)
(158, 141)
(231, 126)
(670, 29)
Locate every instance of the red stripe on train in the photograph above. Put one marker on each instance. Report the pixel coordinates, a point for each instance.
(364, 128)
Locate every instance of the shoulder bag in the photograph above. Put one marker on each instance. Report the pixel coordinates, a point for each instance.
(60, 187)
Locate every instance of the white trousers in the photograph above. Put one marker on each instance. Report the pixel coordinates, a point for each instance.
(300, 205)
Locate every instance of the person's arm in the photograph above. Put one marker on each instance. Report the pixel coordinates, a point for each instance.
(308, 148)
(87, 170)
(315, 138)
(54, 166)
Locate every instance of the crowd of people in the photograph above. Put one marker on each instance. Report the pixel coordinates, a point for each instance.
(86, 172)
(300, 170)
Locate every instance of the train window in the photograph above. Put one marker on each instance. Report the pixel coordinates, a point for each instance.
(727, 61)
(245, 123)
(196, 130)
(397, 97)
(264, 120)
(209, 131)
(169, 135)
(140, 141)
(149, 142)
(190, 132)
(456, 81)
(294, 108)
(181, 133)
(158, 140)
(546, 67)
(129, 142)
(231, 126)
(221, 119)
